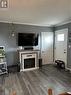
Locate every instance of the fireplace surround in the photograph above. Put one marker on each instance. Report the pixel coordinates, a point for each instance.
(28, 60)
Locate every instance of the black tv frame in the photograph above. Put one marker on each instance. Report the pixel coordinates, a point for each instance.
(31, 40)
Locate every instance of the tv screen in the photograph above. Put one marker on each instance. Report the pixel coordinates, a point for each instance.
(27, 39)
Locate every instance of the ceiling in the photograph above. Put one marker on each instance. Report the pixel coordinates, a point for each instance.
(36, 12)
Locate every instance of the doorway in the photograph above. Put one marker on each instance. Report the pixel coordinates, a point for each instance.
(60, 49)
(47, 47)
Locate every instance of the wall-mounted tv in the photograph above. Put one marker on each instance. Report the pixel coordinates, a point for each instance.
(27, 39)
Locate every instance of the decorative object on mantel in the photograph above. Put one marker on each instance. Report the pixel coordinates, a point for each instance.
(3, 4)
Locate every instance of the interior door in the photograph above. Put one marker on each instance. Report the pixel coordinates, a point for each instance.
(61, 45)
(47, 47)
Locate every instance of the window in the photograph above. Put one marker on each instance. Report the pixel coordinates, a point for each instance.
(60, 37)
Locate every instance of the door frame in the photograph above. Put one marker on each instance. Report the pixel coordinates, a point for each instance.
(41, 47)
(66, 29)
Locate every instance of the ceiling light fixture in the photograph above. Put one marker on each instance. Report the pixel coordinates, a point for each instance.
(3, 4)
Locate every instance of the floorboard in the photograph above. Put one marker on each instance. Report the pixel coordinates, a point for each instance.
(36, 82)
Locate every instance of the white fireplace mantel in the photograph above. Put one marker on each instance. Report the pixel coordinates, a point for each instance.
(26, 54)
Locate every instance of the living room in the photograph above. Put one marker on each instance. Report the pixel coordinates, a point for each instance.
(33, 34)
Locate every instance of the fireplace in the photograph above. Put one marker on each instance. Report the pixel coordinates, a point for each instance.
(28, 61)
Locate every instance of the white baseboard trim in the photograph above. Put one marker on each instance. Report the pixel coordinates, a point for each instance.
(30, 69)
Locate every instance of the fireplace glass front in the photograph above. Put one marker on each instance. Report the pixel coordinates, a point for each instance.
(29, 63)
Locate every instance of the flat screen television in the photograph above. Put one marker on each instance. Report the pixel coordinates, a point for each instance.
(27, 39)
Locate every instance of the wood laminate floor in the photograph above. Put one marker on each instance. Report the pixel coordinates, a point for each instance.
(36, 82)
